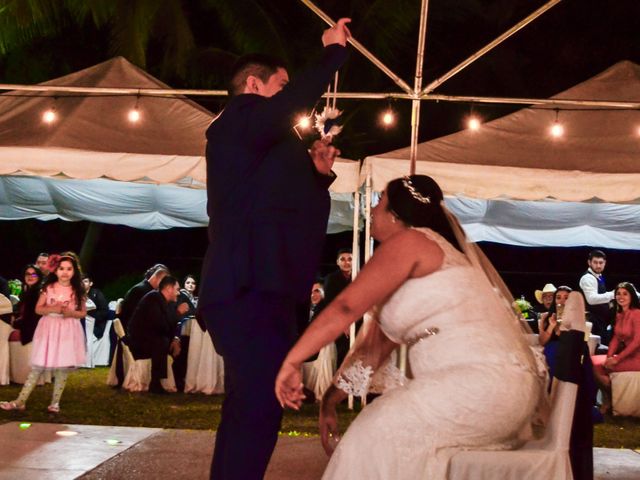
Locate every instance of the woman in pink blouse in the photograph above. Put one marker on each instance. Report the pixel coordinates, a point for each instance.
(624, 349)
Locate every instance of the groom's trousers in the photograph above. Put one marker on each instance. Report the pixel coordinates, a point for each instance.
(253, 333)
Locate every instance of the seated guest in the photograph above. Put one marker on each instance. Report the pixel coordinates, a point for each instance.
(549, 326)
(152, 278)
(624, 349)
(101, 312)
(152, 330)
(319, 369)
(27, 319)
(42, 262)
(545, 300)
(185, 310)
(151, 281)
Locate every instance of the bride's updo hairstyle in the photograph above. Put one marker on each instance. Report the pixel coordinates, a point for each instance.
(417, 201)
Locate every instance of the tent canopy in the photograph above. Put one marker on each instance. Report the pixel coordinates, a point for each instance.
(511, 182)
(92, 137)
(515, 157)
(93, 164)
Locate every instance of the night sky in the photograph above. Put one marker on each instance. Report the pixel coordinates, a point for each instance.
(572, 42)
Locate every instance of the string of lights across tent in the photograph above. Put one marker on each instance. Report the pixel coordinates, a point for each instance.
(305, 121)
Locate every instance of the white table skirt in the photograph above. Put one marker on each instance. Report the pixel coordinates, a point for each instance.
(205, 368)
(317, 375)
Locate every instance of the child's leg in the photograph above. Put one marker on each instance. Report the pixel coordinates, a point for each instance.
(29, 385)
(59, 383)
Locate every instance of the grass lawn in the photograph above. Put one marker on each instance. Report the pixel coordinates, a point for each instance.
(88, 400)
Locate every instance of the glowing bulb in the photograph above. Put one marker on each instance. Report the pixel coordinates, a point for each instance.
(49, 116)
(473, 123)
(388, 118)
(557, 130)
(134, 115)
(304, 122)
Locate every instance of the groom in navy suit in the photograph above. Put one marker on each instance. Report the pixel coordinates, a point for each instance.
(268, 206)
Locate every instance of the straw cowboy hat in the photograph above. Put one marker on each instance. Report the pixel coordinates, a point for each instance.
(548, 288)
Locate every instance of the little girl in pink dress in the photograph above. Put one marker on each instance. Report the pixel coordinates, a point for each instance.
(58, 342)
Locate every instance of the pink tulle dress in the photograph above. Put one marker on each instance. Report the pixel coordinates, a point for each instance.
(58, 341)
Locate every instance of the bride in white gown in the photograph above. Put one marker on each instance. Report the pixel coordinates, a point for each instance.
(475, 382)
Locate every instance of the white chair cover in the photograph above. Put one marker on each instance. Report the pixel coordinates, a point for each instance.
(205, 368)
(101, 347)
(112, 378)
(625, 393)
(5, 368)
(89, 323)
(317, 375)
(538, 459)
(138, 376)
(20, 364)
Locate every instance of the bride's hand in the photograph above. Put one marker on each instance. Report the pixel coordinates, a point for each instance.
(289, 386)
(328, 422)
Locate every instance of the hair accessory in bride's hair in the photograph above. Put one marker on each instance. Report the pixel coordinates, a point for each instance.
(408, 184)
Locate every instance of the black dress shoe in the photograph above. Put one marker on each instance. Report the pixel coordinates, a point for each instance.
(156, 387)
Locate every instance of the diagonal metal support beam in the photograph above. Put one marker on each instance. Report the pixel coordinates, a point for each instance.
(439, 81)
(362, 49)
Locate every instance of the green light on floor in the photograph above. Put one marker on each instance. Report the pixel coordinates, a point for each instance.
(112, 441)
(24, 426)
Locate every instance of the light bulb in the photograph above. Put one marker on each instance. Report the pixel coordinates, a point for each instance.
(134, 115)
(49, 116)
(304, 122)
(557, 130)
(473, 123)
(388, 118)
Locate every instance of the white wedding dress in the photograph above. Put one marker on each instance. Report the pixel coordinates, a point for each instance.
(475, 381)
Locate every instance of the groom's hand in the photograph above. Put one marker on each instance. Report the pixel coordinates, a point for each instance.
(323, 155)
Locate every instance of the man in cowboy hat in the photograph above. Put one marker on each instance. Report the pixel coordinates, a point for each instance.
(545, 299)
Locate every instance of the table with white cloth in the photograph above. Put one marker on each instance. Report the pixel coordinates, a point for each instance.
(205, 368)
(317, 375)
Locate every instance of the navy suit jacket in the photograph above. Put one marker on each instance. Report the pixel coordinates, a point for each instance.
(267, 204)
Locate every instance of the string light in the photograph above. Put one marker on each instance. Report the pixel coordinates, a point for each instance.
(473, 123)
(388, 118)
(134, 114)
(557, 129)
(304, 122)
(49, 116)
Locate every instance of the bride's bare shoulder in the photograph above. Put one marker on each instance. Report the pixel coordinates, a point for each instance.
(415, 243)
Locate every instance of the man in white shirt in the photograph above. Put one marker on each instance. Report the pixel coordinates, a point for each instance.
(597, 297)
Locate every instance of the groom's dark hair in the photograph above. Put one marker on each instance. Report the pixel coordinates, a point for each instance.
(258, 65)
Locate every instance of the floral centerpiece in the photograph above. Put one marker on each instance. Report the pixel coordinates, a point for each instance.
(15, 287)
(522, 307)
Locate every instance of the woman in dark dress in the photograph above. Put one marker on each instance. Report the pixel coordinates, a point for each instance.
(27, 318)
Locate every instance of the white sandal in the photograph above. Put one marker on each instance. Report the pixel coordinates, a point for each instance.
(53, 408)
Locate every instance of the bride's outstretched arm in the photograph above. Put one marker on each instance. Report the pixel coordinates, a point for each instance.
(395, 260)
